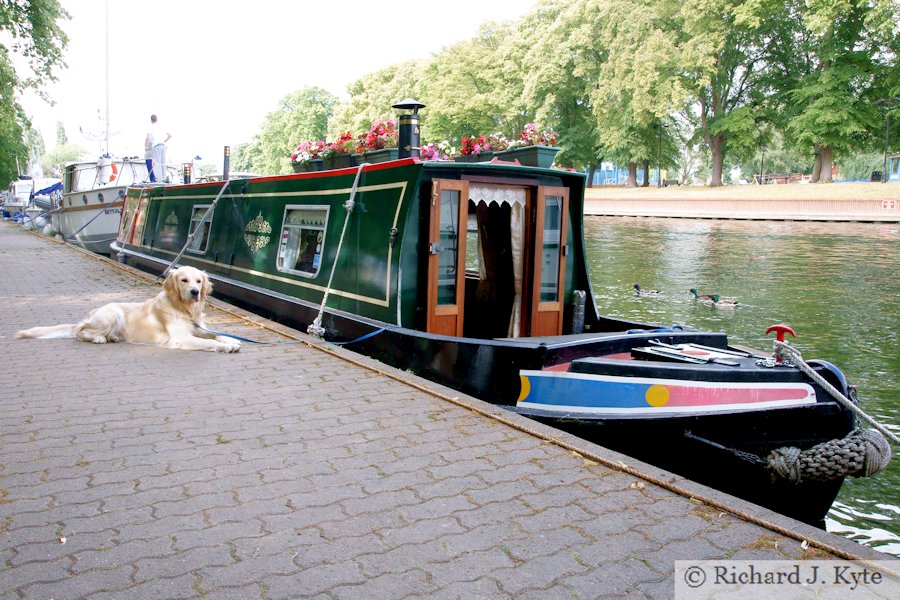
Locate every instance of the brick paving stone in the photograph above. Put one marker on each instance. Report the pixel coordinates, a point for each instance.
(173, 587)
(110, 556)
(436, 506)
(539, 573)
(616, 547)
(83, 584)
(400, 559)
(18, 577)
(285, 472)
(482, 589)
(217, 534)
(546, 542)
(698, 549)
(421, 531)
(470, 566)
(343, 526)
(493, 512)
(414, 583)
(176, 563)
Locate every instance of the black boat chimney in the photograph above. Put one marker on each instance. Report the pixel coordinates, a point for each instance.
(408, 135)
(226, 163)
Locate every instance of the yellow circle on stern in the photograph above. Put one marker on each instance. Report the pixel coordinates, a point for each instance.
(657, 395)
(526, 388)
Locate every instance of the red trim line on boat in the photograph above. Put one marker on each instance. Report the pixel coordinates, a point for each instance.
(346, 171)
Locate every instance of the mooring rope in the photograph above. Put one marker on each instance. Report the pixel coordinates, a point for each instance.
(315, 329)
(785, 350)
(862, 453)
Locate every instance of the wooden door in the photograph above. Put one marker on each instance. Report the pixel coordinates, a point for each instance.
(447, 256)
(548, 282)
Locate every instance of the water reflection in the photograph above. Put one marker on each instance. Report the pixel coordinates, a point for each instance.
(836, 284)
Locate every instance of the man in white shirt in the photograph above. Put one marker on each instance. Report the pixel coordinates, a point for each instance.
(156, 140)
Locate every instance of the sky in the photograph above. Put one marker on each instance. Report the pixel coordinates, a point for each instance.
(212, 69)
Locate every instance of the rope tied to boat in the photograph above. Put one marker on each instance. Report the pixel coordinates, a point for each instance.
(861, 453)
(788, 352)
(315, 329)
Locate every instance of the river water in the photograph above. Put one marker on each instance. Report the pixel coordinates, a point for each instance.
(835, 284)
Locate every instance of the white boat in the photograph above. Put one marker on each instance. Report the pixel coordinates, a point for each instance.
(93, 194)
(24, 194)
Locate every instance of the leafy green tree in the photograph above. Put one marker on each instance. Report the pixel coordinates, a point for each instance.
(774, 156)
(562, 53)
(61, 137)
(474, 87)
(703, 58)
(636, 85)
(31, 31)
(35, 142)
(240, 157)
(300, 115)
(372, 96)
(55, 159)
(849, 60)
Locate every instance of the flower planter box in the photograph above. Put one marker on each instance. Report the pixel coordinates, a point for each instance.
(338, 161)
(531, 156)
(472, 158)
(377, 156)
(314, 164)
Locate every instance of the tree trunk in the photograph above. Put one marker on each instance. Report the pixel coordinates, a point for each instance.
(632, 175)
(646, 165)
(591, 172)
(817, 165)
(717, 149)
(825, 174)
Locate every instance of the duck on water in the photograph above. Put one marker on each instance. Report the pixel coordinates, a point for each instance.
(376, 255)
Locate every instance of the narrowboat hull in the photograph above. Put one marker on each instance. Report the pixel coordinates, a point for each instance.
(269, 244)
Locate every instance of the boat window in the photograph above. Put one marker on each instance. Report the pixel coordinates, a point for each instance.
(85, 178)
(448, 247)
(302, 240)
(201, 237)
(550, 251)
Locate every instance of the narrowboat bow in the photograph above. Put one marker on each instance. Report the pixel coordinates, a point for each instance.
(473, 275)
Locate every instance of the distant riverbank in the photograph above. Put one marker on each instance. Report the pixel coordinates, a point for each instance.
(794, 202)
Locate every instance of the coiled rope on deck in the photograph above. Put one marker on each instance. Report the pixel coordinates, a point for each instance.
(861, 453)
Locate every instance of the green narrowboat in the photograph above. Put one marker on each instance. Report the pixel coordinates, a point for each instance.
(474, 275)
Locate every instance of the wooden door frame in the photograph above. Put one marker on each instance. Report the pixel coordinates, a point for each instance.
(537, 306)
(440, 318)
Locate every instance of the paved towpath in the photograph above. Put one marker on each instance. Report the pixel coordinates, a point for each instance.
(284, 472)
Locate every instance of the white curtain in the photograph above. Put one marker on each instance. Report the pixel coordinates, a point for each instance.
(515, 197)
(516, 229)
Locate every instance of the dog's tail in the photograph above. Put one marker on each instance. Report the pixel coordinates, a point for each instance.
(66, 330)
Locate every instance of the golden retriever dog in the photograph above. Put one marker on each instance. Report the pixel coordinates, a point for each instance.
(169, 319)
